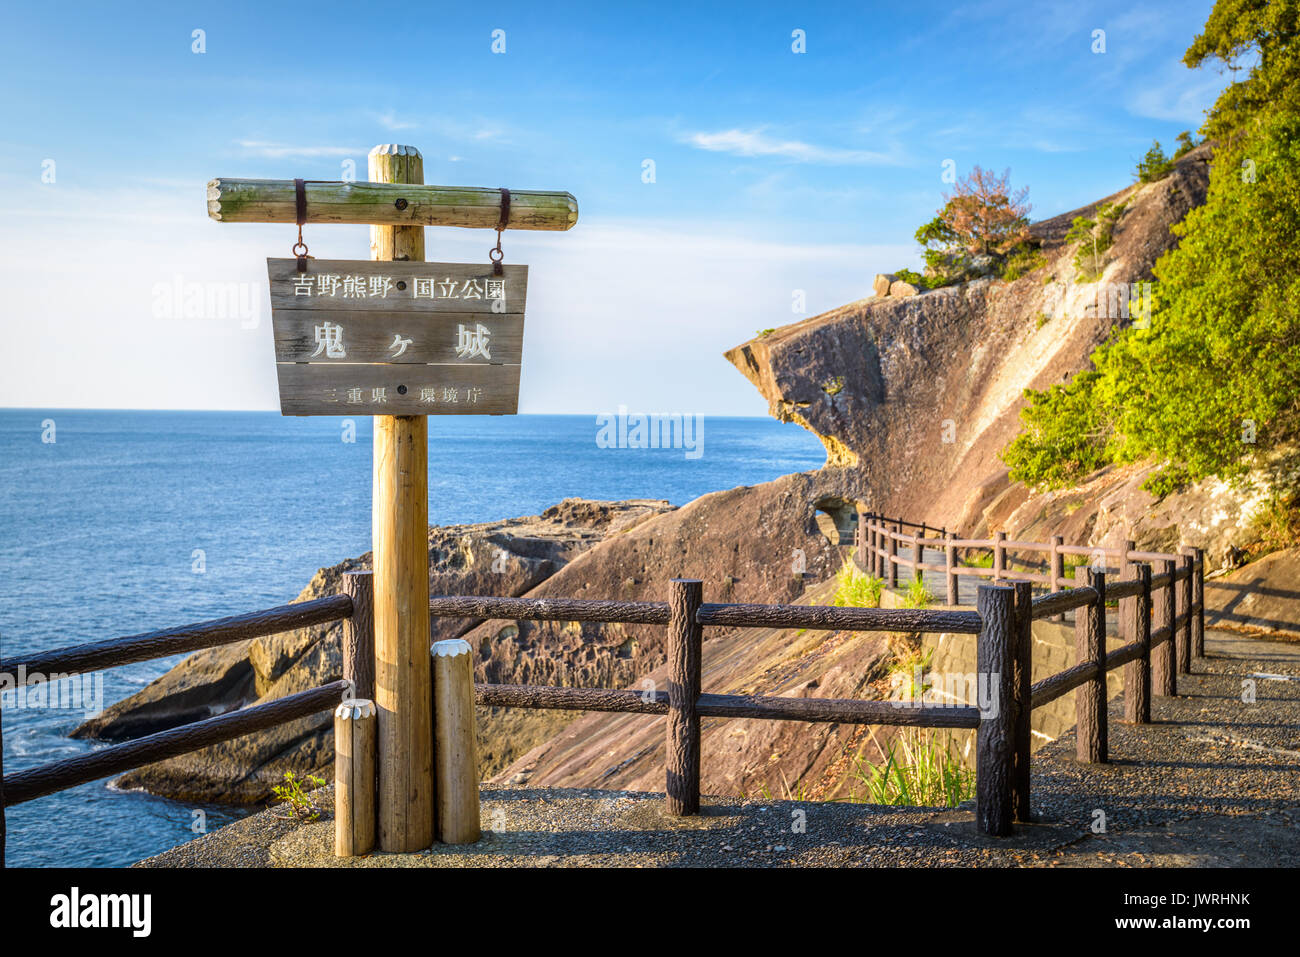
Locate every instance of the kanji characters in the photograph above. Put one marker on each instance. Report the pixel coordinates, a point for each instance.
(473, 342)
(329, 340)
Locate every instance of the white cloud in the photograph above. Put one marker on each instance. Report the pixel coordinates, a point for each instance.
(281, 151)
(389, 121)
(634, 313)
(756, 143)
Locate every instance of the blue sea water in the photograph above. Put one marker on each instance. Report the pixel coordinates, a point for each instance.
(130, 521)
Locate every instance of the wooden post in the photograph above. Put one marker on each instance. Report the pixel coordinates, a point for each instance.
(1090, 645)
(1126, 618)
(1137, 673)
(999, 556)
(862, 538)
(685, 636)
(891, 560)
(400, 507)
(455, 750)
(872, 562)
(354, 777)
(1056, 562)
(995, 753)
(1182, 609)
(359, 635)
(950, 567)
(1163, 681)
(918, 555)
(1198, 601)
(1021, 685)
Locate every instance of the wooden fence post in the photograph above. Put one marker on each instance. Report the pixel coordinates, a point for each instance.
(455, 752)
(1163, 680)
(1186, 602)
(354, 777)
(995, 749)
(359, 635)
(950, 565)
(400, 506)
(862, 538)
(1056, 564)
(918, 555)
(1198, 602)
(999, 556)
(891, 560)
(1021, 685)
(685, 636)
(1183, 608)
(1090, 645)
(1137, 673)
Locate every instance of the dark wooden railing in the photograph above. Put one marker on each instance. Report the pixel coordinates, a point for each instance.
(62, 663)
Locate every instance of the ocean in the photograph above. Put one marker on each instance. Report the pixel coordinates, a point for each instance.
(114, 523)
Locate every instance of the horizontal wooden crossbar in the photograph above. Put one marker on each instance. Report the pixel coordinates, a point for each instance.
(79, 659)
(838, 710)
(387, 204)
(61, 775)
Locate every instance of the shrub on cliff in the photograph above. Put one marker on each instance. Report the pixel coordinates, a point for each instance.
(1155, 165)
(1214, 379)
(983, 224)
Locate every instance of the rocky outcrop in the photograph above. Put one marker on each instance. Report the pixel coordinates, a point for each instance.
(915, 397)
(509, 557)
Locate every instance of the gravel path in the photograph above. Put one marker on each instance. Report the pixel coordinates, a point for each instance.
(1213, 781)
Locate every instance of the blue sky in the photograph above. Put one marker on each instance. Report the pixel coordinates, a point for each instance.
(775, 171)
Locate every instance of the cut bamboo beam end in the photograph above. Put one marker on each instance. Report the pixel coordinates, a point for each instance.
(354, 777)
(455, 750)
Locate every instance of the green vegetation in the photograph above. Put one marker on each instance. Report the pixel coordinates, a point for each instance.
(982, 230)
(1094, 237)
(1155, 165)
(918, 596)
(917, 771)
(903, 670)
(835, 386)
(913, 277)
(299, 802)
(982, 560)
(763, 333)
(856, 589)
(1211, 385)
(1185, 143)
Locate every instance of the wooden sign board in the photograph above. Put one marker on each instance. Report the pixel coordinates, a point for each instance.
(397, 338)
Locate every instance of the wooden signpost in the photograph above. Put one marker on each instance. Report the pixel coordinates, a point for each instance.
(401, 339)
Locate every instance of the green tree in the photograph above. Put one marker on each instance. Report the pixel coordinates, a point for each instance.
(1214, 380)
(1155, 165)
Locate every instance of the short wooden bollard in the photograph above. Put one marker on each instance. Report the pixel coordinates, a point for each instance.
(1163, 679)
(685, 636)
(1022, 684)
(354, 777)
(1137, 673)
(995, 748)
(455, 750)
(1090, 646)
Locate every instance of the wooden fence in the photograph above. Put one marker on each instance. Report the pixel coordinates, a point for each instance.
(1161, 622)
(64, 663)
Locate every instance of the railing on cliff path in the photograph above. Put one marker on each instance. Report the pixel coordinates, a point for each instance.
(1158, 612)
